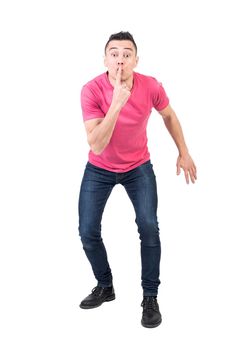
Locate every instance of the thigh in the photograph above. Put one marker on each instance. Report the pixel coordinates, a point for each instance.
(96, 186)
(141, 188)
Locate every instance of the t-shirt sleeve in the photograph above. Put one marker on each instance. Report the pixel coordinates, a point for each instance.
(160, 98)
(89, 104)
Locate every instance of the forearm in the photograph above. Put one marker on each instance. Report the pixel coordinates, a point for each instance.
(173, 126)
(100, 136)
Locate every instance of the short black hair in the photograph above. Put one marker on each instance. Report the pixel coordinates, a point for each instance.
(121, 36)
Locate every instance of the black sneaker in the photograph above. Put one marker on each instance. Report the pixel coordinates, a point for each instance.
(97, 297)
(151, 316)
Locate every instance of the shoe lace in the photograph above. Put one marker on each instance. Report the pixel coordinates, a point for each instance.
(96, 290)
(150, 303)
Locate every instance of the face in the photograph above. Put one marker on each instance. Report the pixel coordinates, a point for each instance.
(120, 53)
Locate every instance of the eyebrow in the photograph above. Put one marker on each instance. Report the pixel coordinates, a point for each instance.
(116, 48)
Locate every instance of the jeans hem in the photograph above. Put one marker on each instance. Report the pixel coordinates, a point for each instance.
(105, 285)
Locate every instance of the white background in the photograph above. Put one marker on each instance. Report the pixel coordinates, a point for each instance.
(49, 49)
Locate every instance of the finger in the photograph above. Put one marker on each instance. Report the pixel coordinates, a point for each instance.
(119, 75)
(124, 85)
(178, 169)
(195, 172)
(192, 176)
(186, 174)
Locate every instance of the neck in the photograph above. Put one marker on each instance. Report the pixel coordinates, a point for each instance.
(129, 81)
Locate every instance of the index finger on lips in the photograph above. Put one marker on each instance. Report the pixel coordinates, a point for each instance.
(119, 75)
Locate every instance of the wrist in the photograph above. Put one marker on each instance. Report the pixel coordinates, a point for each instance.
(115, 107)
(184, 153)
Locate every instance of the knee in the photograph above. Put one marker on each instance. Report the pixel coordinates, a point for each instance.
(149, 232)
(88, 228)
(147, 225)
(90, 235)
(90, 244)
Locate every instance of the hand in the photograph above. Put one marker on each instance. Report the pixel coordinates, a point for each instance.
(187, 164)
(121, 92)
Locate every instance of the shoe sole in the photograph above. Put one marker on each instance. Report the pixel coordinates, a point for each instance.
(151, 326)
(110, 298)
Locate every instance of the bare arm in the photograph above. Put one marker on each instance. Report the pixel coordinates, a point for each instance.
(100, 130)
(184, 160)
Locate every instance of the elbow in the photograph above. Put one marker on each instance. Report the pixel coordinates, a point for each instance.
(170, 120)
(97, 152)
(167, 118)
(96, 149)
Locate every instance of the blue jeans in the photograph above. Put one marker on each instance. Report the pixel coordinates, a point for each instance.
(140, 185)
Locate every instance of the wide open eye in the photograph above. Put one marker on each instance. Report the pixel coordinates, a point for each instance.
(127, 55)
(114, 54)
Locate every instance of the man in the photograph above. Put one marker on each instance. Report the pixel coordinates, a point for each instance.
(116, 106)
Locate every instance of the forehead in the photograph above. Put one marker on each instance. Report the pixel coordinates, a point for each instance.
(120, 45)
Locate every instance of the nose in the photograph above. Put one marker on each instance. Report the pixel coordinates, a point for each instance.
(120, 60)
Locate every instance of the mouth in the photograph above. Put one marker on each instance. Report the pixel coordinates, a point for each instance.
(118, 70)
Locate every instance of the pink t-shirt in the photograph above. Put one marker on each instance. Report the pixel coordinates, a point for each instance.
(127, 148)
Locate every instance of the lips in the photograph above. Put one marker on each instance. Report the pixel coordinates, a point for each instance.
(121, 72)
